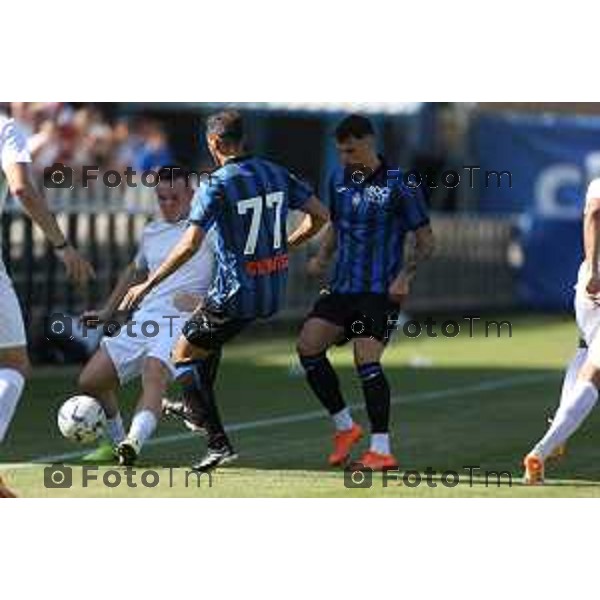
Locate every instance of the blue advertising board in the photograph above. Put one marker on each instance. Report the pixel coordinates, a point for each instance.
(551, 160)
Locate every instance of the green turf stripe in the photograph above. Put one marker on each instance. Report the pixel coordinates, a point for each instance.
(484, 386)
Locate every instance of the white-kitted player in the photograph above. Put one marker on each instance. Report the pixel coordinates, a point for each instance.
(15, 177)
(143, 347)
(582, 381)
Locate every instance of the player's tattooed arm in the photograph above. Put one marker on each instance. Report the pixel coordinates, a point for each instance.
(421, 250)
(421, 247)
(318, 264)
(186, 248)
(21, 186)
(316, 218)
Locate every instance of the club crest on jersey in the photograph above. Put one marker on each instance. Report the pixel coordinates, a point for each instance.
(377, 195)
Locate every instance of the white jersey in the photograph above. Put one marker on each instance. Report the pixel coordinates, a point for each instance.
(13, 149)
(195, 277)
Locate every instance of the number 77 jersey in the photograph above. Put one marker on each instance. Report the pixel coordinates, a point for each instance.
(247, 202)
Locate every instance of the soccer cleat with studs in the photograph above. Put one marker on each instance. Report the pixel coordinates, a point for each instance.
(534, 470)
(128, 452)
(180, 410)
(105, 454)
(375, 462)
(343, 442)
(215, 457)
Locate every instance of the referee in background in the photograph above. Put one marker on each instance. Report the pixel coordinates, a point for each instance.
(372, 211)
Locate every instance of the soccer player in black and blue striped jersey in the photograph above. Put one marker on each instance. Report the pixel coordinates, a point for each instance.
(246, 204)
(372, 211)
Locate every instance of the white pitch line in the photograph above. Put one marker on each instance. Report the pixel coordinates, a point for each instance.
(485, 386)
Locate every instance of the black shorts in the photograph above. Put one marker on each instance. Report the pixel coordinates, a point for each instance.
(360, 315)
(210, 330)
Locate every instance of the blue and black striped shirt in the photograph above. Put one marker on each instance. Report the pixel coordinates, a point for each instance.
(247, 202)
(371, 221)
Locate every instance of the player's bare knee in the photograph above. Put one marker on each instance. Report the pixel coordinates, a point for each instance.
(367, 351)
(309, 347)
(17, 360)
(155, 373)
(303, 348)
(309, 343)
(92, 382)
(186, 352)
(88, 383)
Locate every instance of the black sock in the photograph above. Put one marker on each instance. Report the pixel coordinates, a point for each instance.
(377, 396)
(196, 380)
(324, 382)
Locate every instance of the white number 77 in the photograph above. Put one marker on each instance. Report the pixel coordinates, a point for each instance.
(273, 200)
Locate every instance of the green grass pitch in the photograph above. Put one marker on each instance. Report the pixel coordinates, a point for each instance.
(479, 402)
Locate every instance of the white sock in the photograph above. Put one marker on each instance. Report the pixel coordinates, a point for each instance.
(573, 369)
(142, 427)
(343, 420)
(573, 411)
(380, 443)
(115, 429)
(12, 384)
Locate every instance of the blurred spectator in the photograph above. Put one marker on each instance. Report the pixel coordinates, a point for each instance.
(91, 141)
(128, 144)
(447, 154)
(155, 152)
(59, 132)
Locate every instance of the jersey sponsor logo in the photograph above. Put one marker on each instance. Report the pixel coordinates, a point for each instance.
(372, 194)
(267, 266)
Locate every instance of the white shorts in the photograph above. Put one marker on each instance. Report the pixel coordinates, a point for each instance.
(12, 330)
(128, 353)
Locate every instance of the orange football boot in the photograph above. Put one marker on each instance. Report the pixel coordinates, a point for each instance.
(534, 470)
(4, 491)
(343, 443)
(376, 462)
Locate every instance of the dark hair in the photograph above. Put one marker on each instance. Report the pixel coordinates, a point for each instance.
(354, 126)
(228, 125)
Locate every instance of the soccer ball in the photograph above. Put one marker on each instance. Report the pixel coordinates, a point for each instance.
(81, 419)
